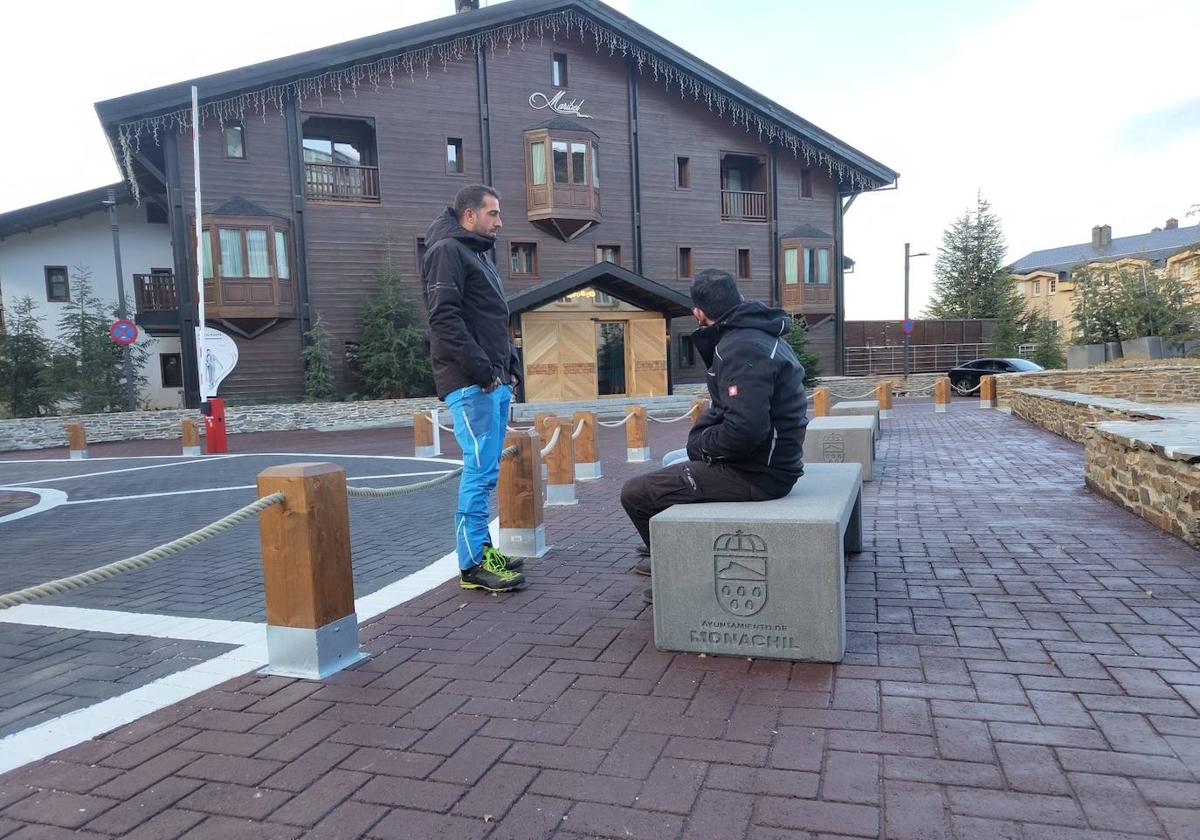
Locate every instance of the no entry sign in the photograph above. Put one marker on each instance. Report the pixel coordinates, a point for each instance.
(907, 325)
(123, 331)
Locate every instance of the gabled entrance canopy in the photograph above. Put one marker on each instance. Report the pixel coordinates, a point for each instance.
(610, 278)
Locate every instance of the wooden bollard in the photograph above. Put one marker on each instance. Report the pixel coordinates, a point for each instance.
(423, 446)
(522, 525)
(883, 394)
(987, 392)
(698, 406)
(635, 435)
(544, 424)
(560, 466)
(189, 437)
(77, 441)
(312, 629)
(820, 401)
(587, 452)
(941, 395)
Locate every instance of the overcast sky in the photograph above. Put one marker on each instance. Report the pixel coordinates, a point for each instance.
(1065, 113)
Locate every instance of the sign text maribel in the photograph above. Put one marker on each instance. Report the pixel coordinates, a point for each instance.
(538, 101)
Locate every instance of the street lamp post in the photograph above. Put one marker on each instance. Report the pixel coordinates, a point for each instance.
(122, 310)
(907, 257)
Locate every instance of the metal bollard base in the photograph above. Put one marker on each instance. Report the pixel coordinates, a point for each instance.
(192, 452)
(637, 456)
(987, 403)
(523, 542)
(79, 454)
(426, 452)
(561, 494)
(313, 654)
(588, 472)
(939, 408)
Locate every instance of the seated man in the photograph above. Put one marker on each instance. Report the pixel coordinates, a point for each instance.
(747, 446)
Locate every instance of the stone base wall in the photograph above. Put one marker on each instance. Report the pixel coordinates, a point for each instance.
(1150, 383)
(1072, 415)
(1160, 485)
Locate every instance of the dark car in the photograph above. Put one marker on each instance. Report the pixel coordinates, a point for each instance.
(965, 378)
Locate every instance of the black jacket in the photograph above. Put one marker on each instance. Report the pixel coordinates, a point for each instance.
(758, 413)
(468, 313)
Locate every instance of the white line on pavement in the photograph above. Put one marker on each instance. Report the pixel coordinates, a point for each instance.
(48, 498)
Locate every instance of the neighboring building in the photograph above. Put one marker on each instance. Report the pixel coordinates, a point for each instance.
(1045, 278)
(43, 247)
(625, 164)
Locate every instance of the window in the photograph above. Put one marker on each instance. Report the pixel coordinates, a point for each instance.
(603, 298)
(537, 159)
(608, 253)
(339, 160)
(524, 258)
(816, 266)
(235, 141)
(231, 253)
(172, 370)
(208, 256)
(558, 70)
(685, 262)
(806, 183)
(791, 266)
(1037, 287)
(58, 284)
(281, 256)
(595, 166)
(743, 263)
(683, 173)
(454, 156)
(561, 161)
(579, 163)
(687, 353)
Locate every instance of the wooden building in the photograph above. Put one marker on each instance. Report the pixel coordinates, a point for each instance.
(625, 165)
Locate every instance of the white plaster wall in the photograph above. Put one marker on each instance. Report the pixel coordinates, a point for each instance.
(87, 242)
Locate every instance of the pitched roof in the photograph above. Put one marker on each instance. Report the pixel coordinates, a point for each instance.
(1155, 246)
(608, 277)
(269, 76)
(25, 219)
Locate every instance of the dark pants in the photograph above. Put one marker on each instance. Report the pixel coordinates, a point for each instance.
(689, 482)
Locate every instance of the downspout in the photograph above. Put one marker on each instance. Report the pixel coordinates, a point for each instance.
(839, 323)
(485, 119)
(180, 237)
(634, 167)
(774, 294)
(295, 138)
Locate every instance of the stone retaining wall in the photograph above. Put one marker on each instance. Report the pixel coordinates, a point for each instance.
(1150, 468)
(1151, 383)
(1071, 415)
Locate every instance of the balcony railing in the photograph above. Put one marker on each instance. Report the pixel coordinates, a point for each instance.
(341, 182)
(745, 206)
(155, 292)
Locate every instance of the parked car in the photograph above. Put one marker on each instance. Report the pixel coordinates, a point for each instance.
(965, 378)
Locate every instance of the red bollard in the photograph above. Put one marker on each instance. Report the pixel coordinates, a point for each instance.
(215, 440)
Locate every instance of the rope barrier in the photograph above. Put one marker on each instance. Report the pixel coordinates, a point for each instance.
(449, 429)
(578, 431)
(963, 392)
(403, 490)
(870, 393)
(615, 423)
(549, 447)
(672, 420)
(515, 429)
(140, 561)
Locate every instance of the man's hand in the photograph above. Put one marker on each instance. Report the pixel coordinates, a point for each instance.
(514, 380)
(491, 386)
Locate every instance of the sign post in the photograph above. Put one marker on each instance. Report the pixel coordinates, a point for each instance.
(207, 388)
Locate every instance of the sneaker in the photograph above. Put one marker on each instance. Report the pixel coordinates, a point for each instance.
(490, 575)
(648, 596)
(513, 564)
(643, 549)
(642, 567)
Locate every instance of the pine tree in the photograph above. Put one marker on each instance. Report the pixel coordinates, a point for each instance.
(1150, 301)
(970, 278)
(798, 338)
(25, 363)
(89, 367)
(1094, 308)
(392, 356)
(1043, 334)
(319, 384)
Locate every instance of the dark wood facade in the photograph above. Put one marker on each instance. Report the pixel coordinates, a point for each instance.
(741, 194)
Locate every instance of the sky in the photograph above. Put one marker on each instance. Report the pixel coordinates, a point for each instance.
(1065, 114)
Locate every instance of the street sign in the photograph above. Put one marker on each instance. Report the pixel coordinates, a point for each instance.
(907, 325)
(123, 331)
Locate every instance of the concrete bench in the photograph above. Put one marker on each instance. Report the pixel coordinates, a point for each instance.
(855, 408)
(848, 439)
(759, 579)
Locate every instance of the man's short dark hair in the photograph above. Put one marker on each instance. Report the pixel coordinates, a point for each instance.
(715, 292)
(471, 198)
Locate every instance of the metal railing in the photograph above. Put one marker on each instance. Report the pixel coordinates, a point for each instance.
(155, 292)
(341, 182)
(923, 358)
(739, 204)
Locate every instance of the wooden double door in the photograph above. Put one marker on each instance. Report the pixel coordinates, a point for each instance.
(581, 356)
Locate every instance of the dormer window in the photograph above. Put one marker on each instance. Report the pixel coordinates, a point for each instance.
(562, 162)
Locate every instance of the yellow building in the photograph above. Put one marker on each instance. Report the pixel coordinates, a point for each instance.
(1044, 278)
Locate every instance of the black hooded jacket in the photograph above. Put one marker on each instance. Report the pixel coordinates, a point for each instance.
(468, 313)
(758, 413)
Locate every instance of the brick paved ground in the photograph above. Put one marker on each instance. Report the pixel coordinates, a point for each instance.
(12, 501)
(1024, 664)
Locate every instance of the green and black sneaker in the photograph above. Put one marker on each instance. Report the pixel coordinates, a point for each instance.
(491, 575)
(513, 564)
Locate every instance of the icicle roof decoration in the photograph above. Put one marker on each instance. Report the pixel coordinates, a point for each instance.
(566, 22)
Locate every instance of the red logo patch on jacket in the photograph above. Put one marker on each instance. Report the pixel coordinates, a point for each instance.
(733, 391)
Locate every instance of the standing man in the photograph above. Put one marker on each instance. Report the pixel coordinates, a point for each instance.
(474, 368)
(748, 445)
